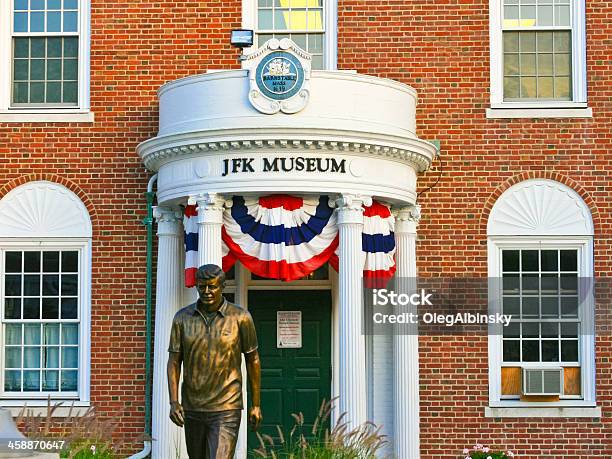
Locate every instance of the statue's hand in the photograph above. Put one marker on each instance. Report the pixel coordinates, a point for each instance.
(255, 417)
(177, 414)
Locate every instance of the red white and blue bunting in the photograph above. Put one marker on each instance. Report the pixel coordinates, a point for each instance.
(286, 237)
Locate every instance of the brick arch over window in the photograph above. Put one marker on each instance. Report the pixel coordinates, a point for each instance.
(53, 178)
(531, 175)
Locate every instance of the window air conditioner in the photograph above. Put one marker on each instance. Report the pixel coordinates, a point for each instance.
(542, 381)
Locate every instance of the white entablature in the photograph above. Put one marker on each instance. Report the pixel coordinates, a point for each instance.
(355, 135)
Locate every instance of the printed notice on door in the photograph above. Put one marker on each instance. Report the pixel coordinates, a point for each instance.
(288, 329)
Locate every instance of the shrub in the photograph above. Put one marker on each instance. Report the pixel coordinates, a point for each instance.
(321, 443)
(480, 451)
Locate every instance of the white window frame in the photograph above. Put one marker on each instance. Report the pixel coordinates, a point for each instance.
(586, 353)
(330, 43)
(80, 113)
(577, 107)
(40, 399)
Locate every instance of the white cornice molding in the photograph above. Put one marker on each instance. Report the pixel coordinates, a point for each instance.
(157, 151)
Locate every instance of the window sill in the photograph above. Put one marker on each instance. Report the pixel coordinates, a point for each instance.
(522, 112)
(72, 408)
(543, 412)
(56, 116)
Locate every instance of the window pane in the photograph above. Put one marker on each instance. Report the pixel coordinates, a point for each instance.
(545, 15)
(12, 380)
(13, 357)
(265, 19)
(511, 65)
(69, 308)
(50, 284)
(69, 284)
(54, 47)
(20, 93)
(50, 380)
(511, 351)
(51, 262)
(569, 306)
(21, 4)
(528, 88)
(550, 329)
(37, 5)
(512, 305)
(12, 262)
(50, 308)
(527, 42)
(511, 284)
(545, 42)
(31, 334)
(70, 93)
(70, 334)
(531, 330)
(31, 262)
(569, 330)
(548, 259)
(529, 260)
(54, 22)
(512, 88)
(12, 285)
(531, 307)
(70, 4)
(37, 69)
(13, 334)
(550, 284)
(37, 92)
(550, 307)
(12, 308)
(70, 69)
(510, 260)
(530, 284)
(70, 21)
(562, 64)
(317, 62)
(70, 357)
(31, 308)
(31, 357)
(37, 22)
(569, 260)
(550, 351)
(21, 47)
(531, 351)
(31, 381)
(511, 42)
(51, 333)
(31, 284)
(54, 4)
(54, 92)
(54, 69)
(37, 47)
(562, 42)
(569, 350)
(20, 23)
(70, 261)
(513, 330)
(562, 15)
(528, 67)
(51, 357)
(69, 381)
(282, 20)
(20, 70)
(71, 47)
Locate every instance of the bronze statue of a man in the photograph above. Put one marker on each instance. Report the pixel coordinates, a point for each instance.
(208, 338)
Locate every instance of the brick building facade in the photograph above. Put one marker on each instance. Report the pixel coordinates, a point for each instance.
(442, 49)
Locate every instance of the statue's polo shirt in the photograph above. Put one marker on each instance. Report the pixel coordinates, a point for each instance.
(211, 355)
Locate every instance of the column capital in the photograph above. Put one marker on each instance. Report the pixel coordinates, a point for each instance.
(168, 220)
(209, 206)
(349, 207)
(407, 218)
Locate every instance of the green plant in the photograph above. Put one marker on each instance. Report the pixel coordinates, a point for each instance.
(341, 442)
(479, 451)
(85, 434)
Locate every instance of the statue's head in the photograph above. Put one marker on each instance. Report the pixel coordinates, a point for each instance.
(210, 281)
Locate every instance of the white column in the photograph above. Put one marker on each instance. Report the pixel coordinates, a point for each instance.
(210, 221)
(353, 396)
(167, 436)
(406, 346)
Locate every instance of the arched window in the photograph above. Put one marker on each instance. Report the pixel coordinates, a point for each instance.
(540, 248)
(45, 267)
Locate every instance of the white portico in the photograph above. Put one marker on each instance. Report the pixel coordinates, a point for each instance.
(350, 137)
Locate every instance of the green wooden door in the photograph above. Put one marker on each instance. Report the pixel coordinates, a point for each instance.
(292, 380)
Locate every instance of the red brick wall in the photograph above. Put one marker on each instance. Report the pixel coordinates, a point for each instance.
(135, 48)
(438, 47)
(441, 49)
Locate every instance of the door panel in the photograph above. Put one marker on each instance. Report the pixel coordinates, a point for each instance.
(292, 380)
